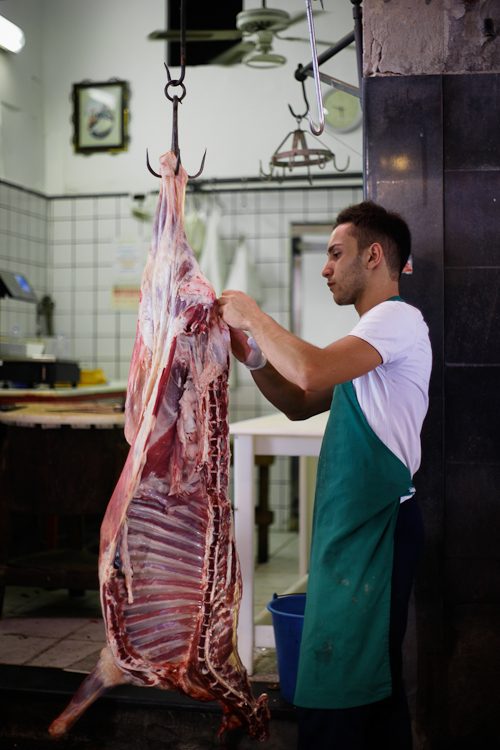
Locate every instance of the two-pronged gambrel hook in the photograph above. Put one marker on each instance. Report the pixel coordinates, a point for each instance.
(176, 100)
(317, 84)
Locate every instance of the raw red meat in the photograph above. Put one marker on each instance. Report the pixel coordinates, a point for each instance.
(169, 573)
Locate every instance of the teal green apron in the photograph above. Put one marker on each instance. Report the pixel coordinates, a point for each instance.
(344, 654)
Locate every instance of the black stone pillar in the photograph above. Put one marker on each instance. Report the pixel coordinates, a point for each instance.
(433, 154)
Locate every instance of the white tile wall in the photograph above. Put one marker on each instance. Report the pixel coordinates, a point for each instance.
(65, 247)
(24, 249)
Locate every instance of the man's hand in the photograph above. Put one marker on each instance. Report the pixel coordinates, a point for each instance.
(237, 309)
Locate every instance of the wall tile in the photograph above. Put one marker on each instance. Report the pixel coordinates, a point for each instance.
(107, 207)
(107, 324)
(62, 231)
(82, 300)
(106, 349)
(84, 254)
(403, 126)
(61, 279)
(5, 195)
(469, 581)
(84, 279)
(472, 315)
(84, 325)
(128, 323)
(4, 219)
(128, 228)
(405, 174)
(294, 202)
(471, 112)
(84, 230)
(61, 255)
(124, 369)
(62, 209)
(104, 300)
(472, 414)
(105, 253)
(23, 249)
(23, 199)
(270, 225)
(62, 312)
(472, 210)
(86, 348)
(105, 276)
(106, 229)
(472, 511)
(84, 208)
(126, 348)
(124, 206)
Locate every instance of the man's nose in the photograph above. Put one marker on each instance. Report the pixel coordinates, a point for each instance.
(327, 271)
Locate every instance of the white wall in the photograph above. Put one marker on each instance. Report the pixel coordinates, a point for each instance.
(21, 99)
(239, 114)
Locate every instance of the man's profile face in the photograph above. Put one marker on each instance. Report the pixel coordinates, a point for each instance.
(344, 269)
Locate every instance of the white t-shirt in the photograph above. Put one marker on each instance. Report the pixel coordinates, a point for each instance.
(394, 397)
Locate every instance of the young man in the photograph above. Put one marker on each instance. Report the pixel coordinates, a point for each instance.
(367, 529)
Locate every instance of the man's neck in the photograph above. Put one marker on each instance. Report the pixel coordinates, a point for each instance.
(375, 295)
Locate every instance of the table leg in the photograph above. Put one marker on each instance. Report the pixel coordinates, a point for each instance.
(303, 557)
(244, 523)
(263, 516)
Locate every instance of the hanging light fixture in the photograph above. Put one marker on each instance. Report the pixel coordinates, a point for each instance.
(11, 37)
(263, 56)
(264, 23)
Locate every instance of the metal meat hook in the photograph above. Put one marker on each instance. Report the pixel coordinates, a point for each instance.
(301, 117)
(175, 100)
(317, 84)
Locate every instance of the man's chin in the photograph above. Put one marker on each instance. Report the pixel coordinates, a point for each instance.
(341, 301)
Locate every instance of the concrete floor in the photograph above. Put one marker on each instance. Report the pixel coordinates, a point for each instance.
(50, 629)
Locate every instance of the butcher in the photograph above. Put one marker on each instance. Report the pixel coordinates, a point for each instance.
(367, 534)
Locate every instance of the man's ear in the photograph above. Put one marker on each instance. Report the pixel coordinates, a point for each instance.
(375, 255)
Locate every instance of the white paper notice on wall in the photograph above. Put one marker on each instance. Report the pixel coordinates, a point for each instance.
(129, 257)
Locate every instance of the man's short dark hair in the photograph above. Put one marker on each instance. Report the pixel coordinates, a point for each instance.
(373, 223)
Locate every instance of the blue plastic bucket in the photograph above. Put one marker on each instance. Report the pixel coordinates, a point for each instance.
(288, 619)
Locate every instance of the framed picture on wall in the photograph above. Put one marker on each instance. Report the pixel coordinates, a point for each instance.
(100, 116)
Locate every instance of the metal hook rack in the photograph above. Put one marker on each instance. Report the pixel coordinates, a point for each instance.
(300, 155)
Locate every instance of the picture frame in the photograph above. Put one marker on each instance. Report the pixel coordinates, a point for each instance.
(100, 116)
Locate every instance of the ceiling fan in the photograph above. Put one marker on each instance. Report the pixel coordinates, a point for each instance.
(255, 30)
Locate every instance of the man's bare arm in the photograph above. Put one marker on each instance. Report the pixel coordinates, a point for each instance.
(294, 402)
(310, 368)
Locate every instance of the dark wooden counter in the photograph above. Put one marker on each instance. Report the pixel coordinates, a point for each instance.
(57, 461)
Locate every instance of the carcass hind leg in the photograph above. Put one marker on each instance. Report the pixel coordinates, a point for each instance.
(105, 676)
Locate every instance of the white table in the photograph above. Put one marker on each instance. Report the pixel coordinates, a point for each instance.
(272, 435)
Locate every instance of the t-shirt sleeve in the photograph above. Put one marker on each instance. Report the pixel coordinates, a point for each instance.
(391, 328)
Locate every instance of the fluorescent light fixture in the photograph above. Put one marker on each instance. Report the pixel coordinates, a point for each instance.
(11, 36)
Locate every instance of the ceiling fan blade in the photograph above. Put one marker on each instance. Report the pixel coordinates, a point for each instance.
(302, 39)
(297, 19)
(202, 35)
(302, 17)
(234, 54)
